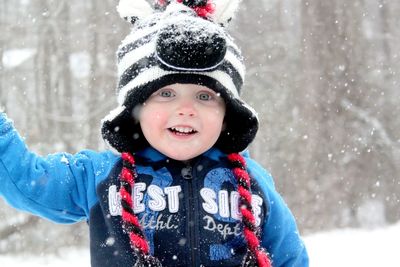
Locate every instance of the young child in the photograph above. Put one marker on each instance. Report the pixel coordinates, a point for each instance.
(175, 191)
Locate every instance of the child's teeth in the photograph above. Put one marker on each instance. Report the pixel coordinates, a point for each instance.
(182, 129)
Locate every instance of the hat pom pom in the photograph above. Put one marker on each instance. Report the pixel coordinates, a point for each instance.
(131, 10)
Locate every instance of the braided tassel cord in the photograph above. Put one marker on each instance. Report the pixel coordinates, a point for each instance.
(256, 256)
(130, 221)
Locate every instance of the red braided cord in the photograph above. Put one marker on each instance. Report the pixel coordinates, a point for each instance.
(247, 214)
(128, 157)
(246, 209)
(139, 243)
(128, 175)
(262, 259)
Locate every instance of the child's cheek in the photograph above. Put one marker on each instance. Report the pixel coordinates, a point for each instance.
(158, 116)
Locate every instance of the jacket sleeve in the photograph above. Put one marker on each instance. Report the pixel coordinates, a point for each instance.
(60, 187)
(280, 235)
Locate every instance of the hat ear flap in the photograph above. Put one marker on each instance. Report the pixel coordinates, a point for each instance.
(224, 11)
(132, 10)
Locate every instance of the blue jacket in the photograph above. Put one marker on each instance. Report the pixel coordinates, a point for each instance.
(188, 210)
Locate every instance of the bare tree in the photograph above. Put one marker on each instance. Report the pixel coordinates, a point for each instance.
(319, 101)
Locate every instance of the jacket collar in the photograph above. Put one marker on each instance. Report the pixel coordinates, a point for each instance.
(151, 154)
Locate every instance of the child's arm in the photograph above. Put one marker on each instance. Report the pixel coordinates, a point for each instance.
(60, 187)
(280, 235)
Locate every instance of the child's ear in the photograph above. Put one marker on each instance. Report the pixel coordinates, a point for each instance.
(132, 10)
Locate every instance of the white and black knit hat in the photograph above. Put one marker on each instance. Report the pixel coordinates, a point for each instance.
(179, 41)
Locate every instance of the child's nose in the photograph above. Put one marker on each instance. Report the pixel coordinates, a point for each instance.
(186, 108)
(184, 113)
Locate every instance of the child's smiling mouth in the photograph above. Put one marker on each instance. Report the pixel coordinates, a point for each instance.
(182, 131)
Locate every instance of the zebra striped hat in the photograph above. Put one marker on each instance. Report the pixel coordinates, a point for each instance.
(175, 42)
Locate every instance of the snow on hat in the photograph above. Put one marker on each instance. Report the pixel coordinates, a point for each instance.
(178, 41)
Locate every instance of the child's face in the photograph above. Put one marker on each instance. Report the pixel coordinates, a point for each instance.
(182, 121)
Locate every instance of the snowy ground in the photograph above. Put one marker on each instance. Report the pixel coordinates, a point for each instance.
(345, 248)
(349, 248)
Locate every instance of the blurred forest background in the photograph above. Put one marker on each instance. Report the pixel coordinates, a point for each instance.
(323, 76)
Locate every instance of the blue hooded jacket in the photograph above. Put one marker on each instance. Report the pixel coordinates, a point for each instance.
(189, 211)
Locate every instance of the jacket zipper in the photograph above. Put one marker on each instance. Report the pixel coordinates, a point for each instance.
(191, 204)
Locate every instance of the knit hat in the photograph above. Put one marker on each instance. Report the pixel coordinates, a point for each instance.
(178, 41)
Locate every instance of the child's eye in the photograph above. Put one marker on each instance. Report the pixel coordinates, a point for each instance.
(204, 96)
(165, 93)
